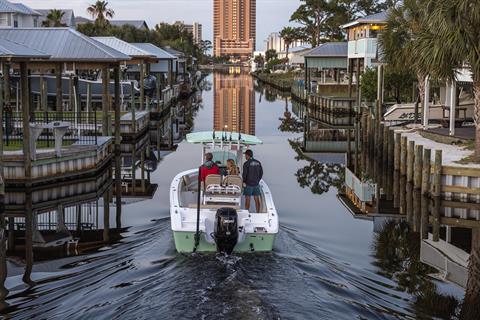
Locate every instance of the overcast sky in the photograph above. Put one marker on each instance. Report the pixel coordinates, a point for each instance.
(272, 15)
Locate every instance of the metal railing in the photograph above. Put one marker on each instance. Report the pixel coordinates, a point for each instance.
(83, 129)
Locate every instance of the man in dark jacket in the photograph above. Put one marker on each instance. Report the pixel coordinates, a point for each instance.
(252, 174)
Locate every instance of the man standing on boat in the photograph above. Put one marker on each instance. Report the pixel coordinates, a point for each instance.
(252, 174)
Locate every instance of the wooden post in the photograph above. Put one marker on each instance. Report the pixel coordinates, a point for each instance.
(436, 188)
(396, 182)
(71, 98)
(391, 174)
(59, 90)
(409, 193)
(357, 138)
(142, 86)
(403, 173)
(417, 184)
(105, 101)
(385, 150)
(106, 217)
(29, 216)
(134, 167)
(425, 192)
(158, 93)
(89, 101)
(142, 168)
(118, 155)
(43, 93)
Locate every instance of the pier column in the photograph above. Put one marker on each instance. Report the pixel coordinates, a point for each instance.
(134, 167)
(43, 93)
(59, 90)
(11, 234)
(105, 101)
(417, 185)
(170, 73)
(118, 168)
(28, 236)
(142, 164)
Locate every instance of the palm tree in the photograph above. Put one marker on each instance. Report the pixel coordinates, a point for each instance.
(289, 35)
(100, 12)
(398, 40)
(455, 36)
(54, 19)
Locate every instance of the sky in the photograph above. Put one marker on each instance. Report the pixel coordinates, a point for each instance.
(272, 15)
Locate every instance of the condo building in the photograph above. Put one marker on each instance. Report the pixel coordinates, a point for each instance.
(234, 28)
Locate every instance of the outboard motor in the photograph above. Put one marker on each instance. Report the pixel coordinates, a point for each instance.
(226, 230)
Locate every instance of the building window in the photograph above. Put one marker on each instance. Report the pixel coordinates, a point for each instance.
(15, 21)
(4, 20)
(35, 22)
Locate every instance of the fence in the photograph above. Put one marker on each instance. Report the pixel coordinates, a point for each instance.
(83, 128)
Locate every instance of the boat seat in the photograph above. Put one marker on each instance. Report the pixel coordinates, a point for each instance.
(213, 179)
(233, 181)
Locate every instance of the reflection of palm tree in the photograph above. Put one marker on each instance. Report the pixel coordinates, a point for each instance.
(318, 176)
(397, 253)
(471, 305)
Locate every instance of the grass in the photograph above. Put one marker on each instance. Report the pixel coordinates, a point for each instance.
(40, 145)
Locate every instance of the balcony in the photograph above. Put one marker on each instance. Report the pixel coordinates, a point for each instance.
(362, 48)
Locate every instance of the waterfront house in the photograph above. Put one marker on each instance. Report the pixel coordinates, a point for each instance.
(362, 37)
(17, 15)
(296, 55)
(164, 68)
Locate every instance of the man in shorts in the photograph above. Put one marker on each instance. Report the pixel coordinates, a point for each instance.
(252, 174)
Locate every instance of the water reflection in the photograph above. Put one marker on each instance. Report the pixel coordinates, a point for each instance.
(234, 102)
(397, 252)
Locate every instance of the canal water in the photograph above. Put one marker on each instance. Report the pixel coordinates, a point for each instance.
(325, 264)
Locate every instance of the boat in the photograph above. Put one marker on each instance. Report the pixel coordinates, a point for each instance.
(210, 216)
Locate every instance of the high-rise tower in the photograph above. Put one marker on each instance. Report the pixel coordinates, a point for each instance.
(234, 27)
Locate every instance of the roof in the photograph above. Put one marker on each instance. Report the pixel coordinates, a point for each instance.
(124, 47)
(63, 44)
(10, 49)
(329, 49)
(136, 23)
(154, 50)
(207, 137)
(174, 52)
(82, 20)
(66, 19)
(300, 48)
(9, 7)
(380, 17)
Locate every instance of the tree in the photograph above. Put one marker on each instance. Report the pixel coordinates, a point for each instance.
(399, 38)
(54, 19)
(270, 54)
(289, 35)
(259, 60)
(100, 12)
(313, 16)
(453, 38)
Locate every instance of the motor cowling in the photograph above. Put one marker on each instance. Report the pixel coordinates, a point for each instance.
(226, 229)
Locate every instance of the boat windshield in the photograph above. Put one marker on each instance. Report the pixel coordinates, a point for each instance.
(221, 156)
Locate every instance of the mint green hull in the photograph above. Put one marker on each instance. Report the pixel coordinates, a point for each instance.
(184, 242)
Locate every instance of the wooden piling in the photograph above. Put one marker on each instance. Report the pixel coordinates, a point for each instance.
(393, 168)
(142, 170)
(417, 184)
(106, 217)
(105, 101)
(58, 85)
(425, 192)
(436, 193)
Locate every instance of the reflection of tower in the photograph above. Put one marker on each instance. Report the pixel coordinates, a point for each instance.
(234, 103)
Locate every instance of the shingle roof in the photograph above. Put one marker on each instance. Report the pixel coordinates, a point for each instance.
(124, 47)
(329, 49)
(63, 44)
(10, 49)
(9, 7)
(154, 50)
(136, 23)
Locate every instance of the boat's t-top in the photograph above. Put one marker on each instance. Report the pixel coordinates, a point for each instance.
(223, 145)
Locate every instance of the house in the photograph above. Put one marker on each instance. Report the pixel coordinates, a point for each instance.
(68, 19)
(296, 55)
(17, 15)
(326, 63)
(362, 37)
(139, 24)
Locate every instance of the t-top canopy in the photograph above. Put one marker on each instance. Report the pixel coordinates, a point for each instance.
(208, 136)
